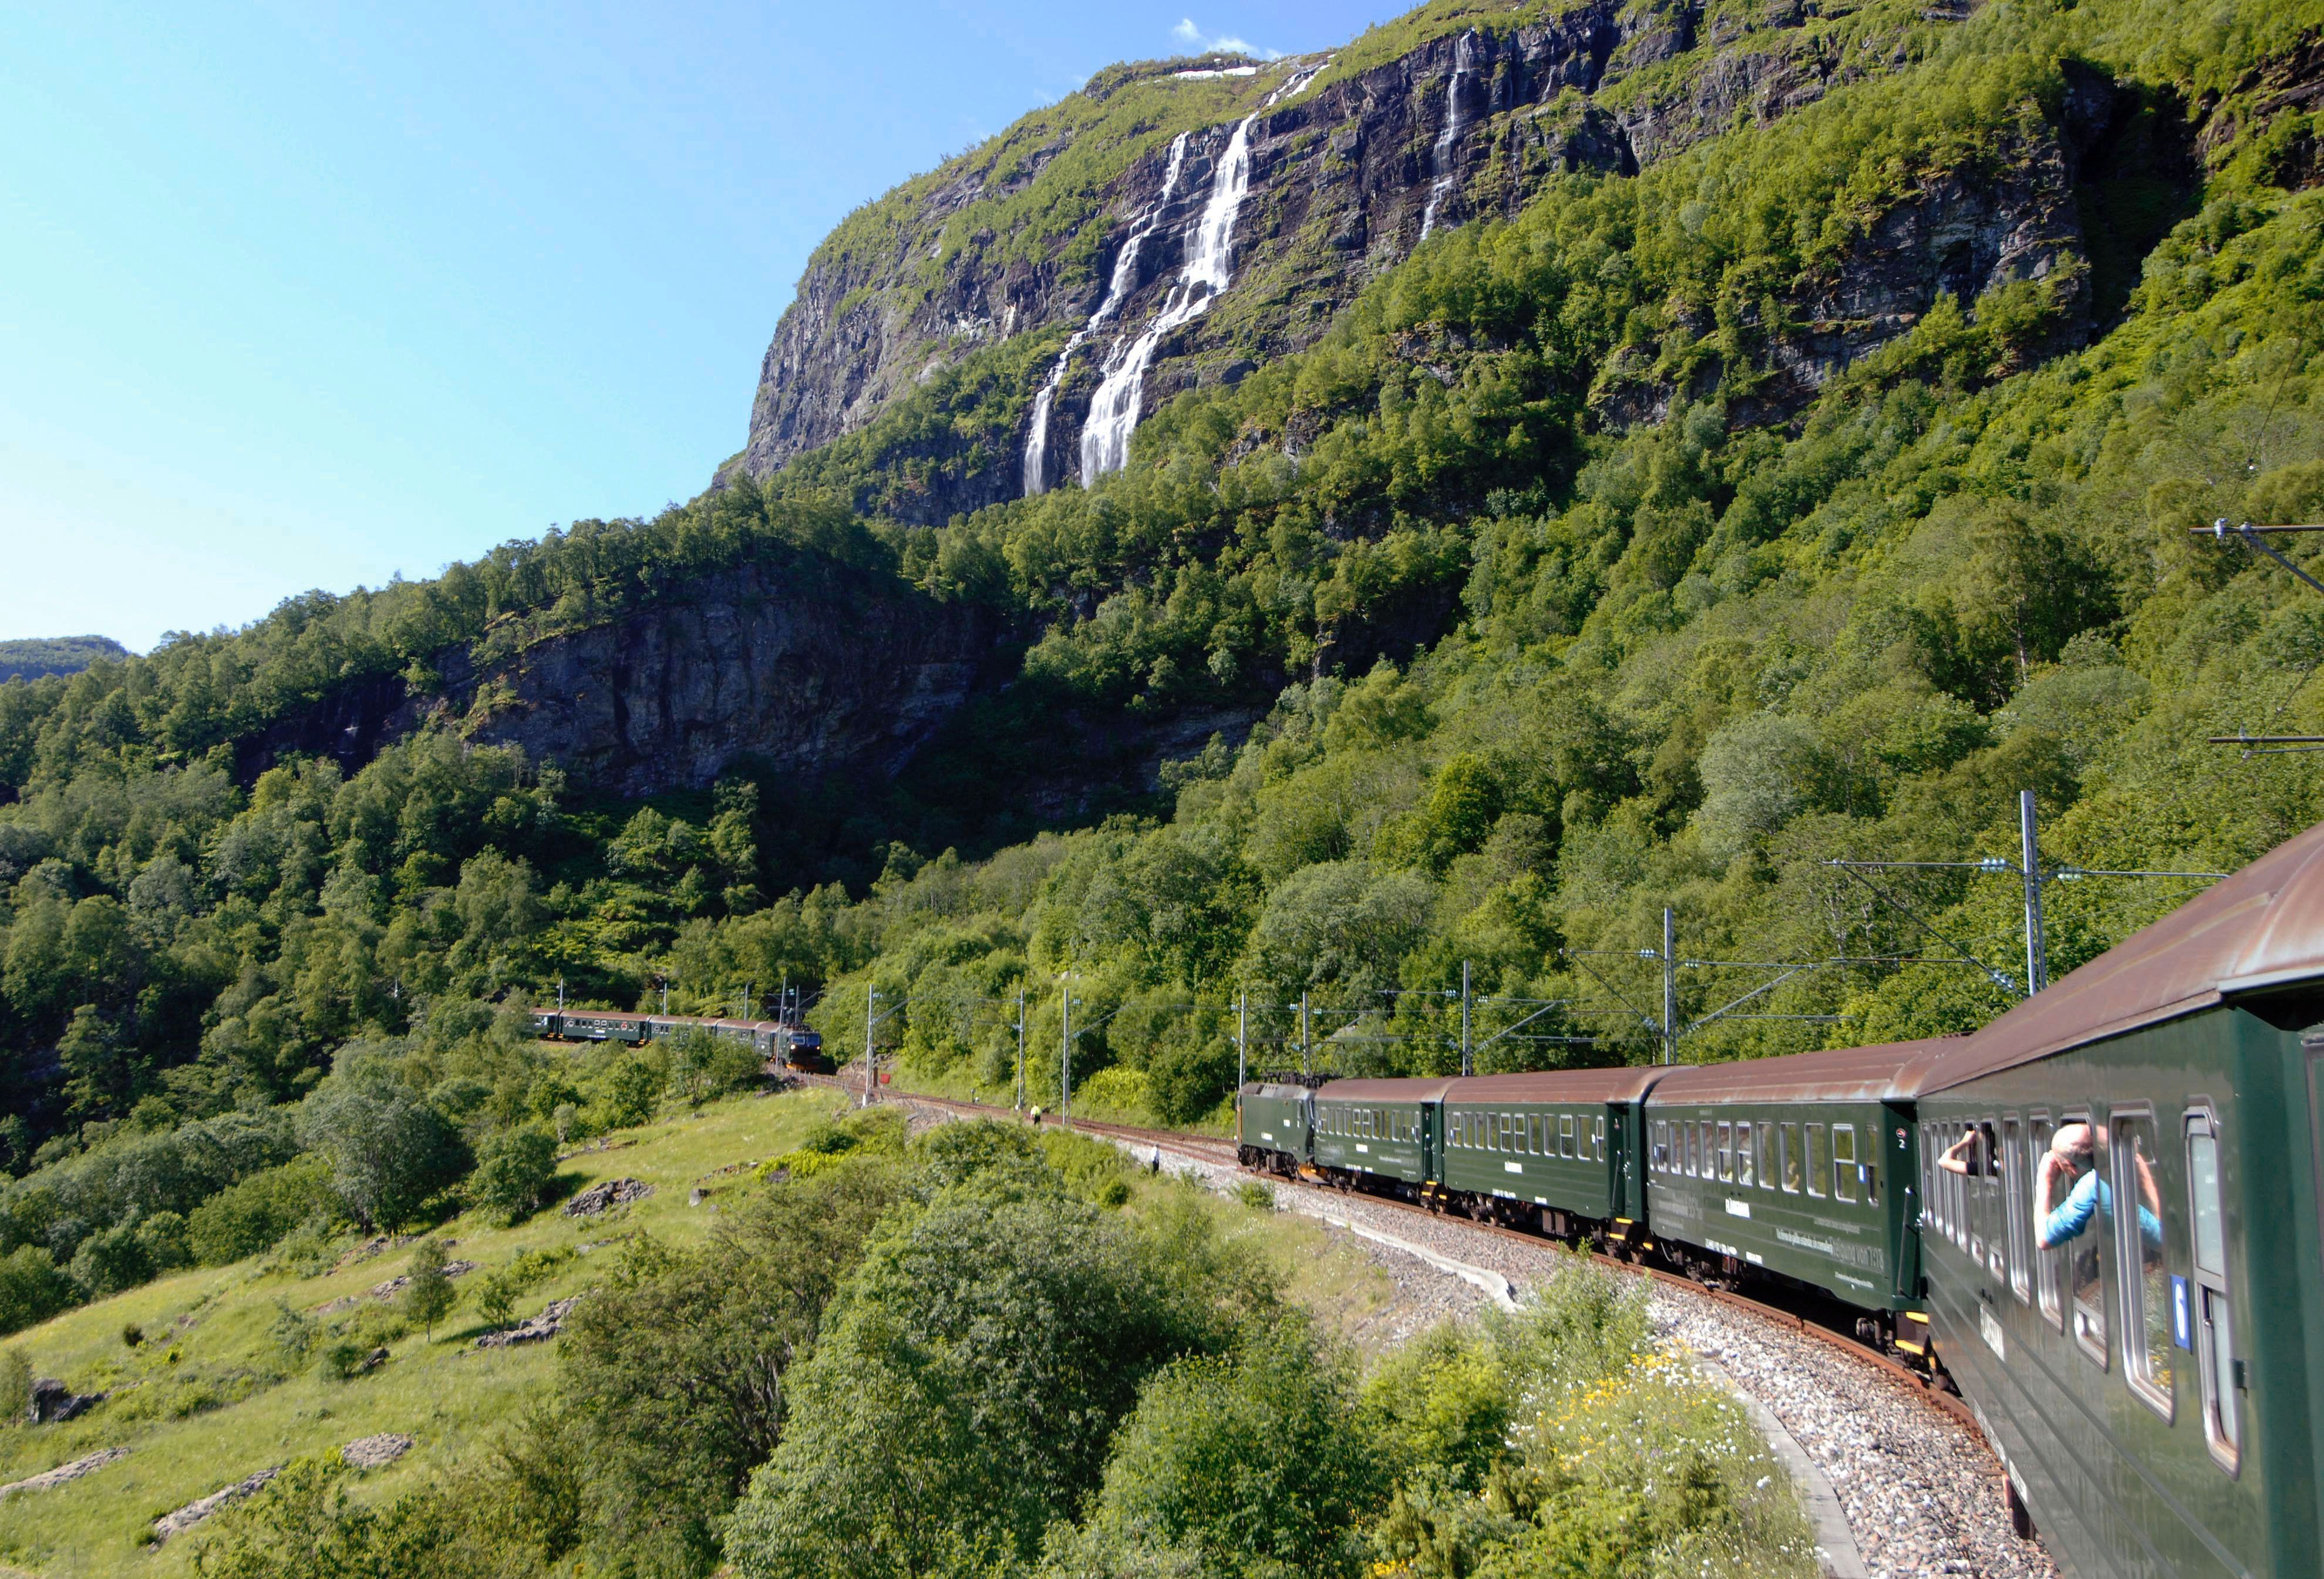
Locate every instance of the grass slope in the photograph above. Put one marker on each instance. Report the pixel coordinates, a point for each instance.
(224, 1408)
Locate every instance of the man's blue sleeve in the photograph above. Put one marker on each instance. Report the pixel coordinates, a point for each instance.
(2072, 1214)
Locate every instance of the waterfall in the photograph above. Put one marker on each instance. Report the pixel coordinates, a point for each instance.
(1440, 162)
(1113, 410)
(1124, 279)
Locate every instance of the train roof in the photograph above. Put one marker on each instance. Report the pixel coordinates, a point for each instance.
(1885, 1072)
(2256, 932)
(1412, 1089)
(1581, 1085)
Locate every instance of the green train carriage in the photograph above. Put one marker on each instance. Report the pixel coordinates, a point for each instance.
(2152, 1378)
(1377, 1134)
(1800, 1168)
(1559, 1150)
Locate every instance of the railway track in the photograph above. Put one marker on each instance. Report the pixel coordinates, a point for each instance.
(1218, 1152)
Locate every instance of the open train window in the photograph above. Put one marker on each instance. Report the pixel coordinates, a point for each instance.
(1745, 1172)
(2214, 1335)
(2066, 1201)
(1598, 1138)
(1565, 1134)
(2142, 1252)
(1726, 1148)
(1659, 1158)
(1843, 1162)
(1992, 1210)
(1790, 1133)
(1817, 1162)
(2048, 1278)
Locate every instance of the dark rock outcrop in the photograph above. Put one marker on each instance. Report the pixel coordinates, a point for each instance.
(847, 675)
(53, 1402)
(606, 1197)
(809, 669)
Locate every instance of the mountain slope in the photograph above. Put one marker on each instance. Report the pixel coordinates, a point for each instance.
(1073, 227)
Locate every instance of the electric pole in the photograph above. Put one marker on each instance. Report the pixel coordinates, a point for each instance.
(1306, 1065)
(1066, 1057)
(1021, 1047)
(1242, 1043)
(2038, 951)
(1466, 1067)
(1670, 988)
(870, 1001)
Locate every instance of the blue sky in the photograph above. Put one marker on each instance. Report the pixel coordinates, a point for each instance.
(307, 295)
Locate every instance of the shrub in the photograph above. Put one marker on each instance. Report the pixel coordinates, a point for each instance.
(293, 1331)
(341, 1360)
(16, 1387)
(1258, 1195)
(1259, 1459)
(496, 1300)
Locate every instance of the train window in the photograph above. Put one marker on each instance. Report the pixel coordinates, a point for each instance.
(1816, 1160)
(2214, 1338)
(1658, 1155)
(1790, 1133)
(1725, 1143)
(2013, 1186)
(1565, 1134)
(2142, 1253)
(1598, 1138)
(1843, 1162)
(1746, 1174)
(1694, 1148)
(2068, 1204)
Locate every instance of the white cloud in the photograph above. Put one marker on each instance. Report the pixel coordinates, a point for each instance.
(1186, 33)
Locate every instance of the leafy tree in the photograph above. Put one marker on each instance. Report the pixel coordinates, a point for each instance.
(389, 1150)
(32, 1287)
(676, 1373)
(430, 1296)
(514, 1170)
(964, 1391)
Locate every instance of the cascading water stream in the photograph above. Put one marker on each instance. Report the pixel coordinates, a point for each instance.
(1209, 266)
(1125, 278)
(1440, 162)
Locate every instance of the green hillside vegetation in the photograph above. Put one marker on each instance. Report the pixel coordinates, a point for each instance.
(31, 658)
(755, 1379)
(1525, 672)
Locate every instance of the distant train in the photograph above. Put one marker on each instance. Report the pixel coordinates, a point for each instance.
(2102, 1216)
(776, 1041)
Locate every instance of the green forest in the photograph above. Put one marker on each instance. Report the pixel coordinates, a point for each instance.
(1526, 671)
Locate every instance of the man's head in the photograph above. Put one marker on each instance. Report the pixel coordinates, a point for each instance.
(2075, 1142)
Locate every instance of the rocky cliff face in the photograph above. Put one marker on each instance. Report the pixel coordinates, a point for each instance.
(806, 670)
(1345, 169)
